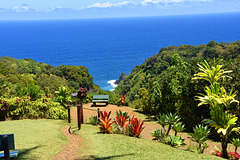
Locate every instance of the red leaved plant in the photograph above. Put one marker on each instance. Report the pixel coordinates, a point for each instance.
(122, 100)
(135, 126)
(105, 125)
(120, 121)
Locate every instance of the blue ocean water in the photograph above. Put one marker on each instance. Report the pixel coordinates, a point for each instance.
(108, 47)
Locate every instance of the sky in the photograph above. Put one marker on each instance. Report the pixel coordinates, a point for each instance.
(78, 9)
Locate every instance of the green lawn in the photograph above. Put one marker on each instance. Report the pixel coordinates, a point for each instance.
(113, 146)
(36, 139)
(42, 139)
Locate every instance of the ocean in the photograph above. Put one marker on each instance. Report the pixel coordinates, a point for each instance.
(108, 47)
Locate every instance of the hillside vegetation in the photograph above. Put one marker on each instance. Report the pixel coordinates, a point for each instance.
(27, 72)
(37, 90)
(163, 83)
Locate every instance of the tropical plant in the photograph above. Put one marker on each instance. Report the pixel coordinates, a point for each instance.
(233, 155)
(236, 143)
(219, 102)
(147, 100)
(82, 93)
(171, 120)
(63, 95)
(135, 127)
(178, 127)
(122, 100)
(120, 122)
(93, 120)
(199, 135)
(119, 112)
(159, 135)
(175, 141)
(34, 91)
(162, 121)
(105, 125)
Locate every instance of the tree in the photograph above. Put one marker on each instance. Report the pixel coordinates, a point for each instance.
(219, 102)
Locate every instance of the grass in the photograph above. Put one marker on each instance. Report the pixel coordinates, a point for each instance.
(36, 139)
(114, 146)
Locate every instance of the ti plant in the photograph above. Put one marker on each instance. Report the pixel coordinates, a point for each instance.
(159, 135)
(178, 127)
(175, 141)
(171, 119)
(105, 125)
(82, 93)
(199, 135)
(122, 100)
(236, 143)
(135, 126)
(219, 102)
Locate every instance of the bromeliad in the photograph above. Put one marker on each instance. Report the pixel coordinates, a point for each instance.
(105, 125)
(135, 126)
(120, 121)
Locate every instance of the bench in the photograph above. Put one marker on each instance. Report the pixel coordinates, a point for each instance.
(100, 99)
(6, 144)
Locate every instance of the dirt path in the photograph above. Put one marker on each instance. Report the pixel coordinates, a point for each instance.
(70, 152)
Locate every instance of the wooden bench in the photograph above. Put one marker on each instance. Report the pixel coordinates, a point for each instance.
(6, 144)
(100, 99)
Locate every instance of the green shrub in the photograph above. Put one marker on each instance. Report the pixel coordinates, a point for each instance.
(159, 135)
(113, 100)
(17, 108)
(93, 120)
(199, 135)
(57, 113)
(175, 141)
(88, 98)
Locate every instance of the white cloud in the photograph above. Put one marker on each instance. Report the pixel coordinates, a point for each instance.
(21, 9)
(156, 2)
(109, 5)
(166, 2)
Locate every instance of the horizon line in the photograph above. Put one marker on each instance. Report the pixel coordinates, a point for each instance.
(118, 17)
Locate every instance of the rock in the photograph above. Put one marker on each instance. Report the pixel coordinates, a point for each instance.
(122, 76)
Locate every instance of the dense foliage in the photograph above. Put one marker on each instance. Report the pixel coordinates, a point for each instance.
(48, 78)
(18, 108)
(163, 83)
(26, 87)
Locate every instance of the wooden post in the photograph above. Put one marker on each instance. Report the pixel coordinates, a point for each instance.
(69, 113)
(98, 114)
(81, 112)
(78, 115)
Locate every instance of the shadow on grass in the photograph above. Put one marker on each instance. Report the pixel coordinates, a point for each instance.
(93, 157)
(23, 152)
